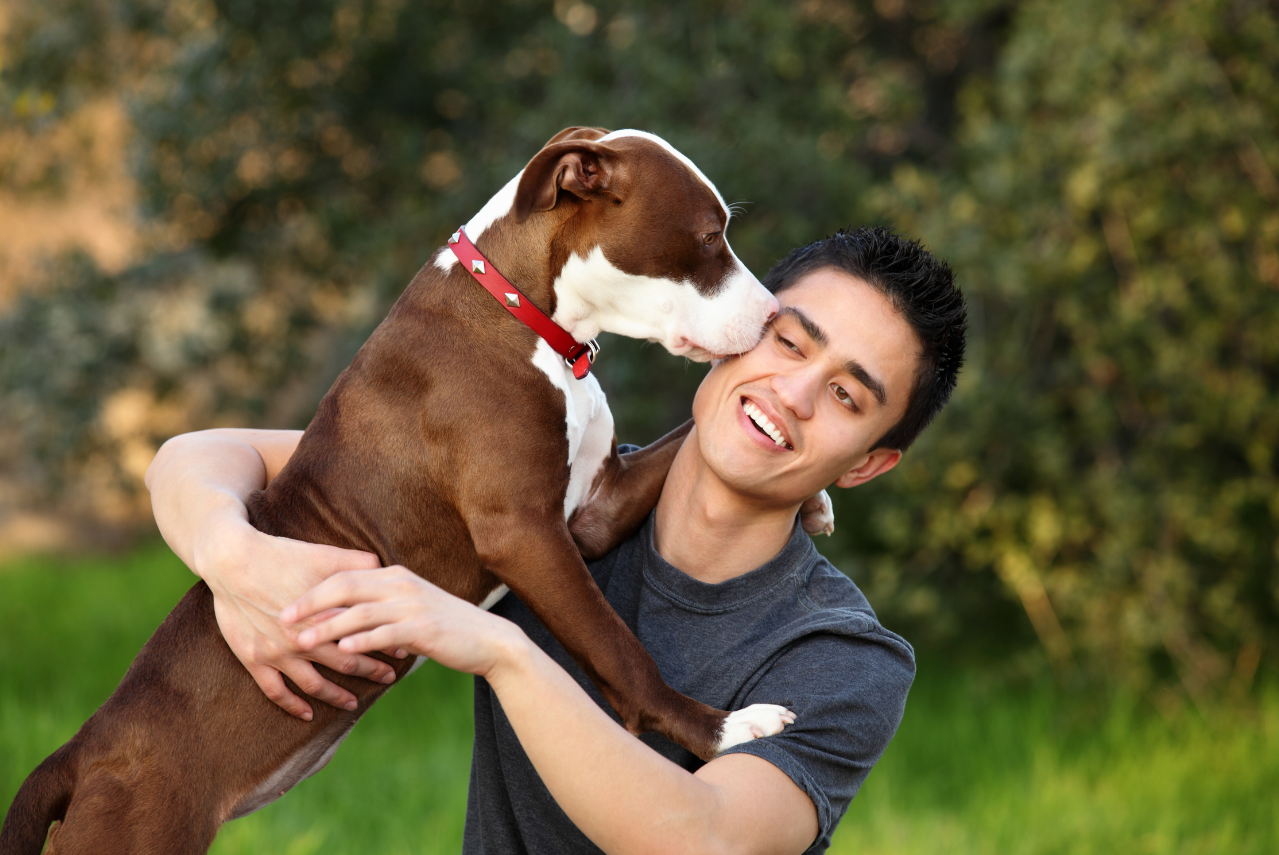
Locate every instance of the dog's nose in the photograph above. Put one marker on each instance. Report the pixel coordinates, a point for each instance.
(773, 308)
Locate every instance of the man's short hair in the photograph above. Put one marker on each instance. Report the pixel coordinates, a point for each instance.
(920, 286)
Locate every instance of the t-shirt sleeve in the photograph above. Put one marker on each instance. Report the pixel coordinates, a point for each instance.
(848, 693)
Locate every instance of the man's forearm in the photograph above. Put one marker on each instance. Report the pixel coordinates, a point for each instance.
(621, 794)
(198, 478)
(624, 796)
(199, 485)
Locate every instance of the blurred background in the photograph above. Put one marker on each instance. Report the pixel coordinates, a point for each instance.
(205, 207)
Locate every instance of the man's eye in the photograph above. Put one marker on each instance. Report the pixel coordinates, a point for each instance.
(841, 395)
(787, 343)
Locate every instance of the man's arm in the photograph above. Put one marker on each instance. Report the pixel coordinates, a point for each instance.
(199, 484)
(625, 797)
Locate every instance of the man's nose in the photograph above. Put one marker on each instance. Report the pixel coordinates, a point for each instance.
(797, 391)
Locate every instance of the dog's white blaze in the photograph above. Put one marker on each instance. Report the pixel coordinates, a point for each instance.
(494, 209)
(741, 287)
(308, 760)
(592, 296)
(676, 153)
(588, 423)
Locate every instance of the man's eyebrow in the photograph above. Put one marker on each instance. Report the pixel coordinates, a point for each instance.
(876, 388)
(814, 332)
(852, 366)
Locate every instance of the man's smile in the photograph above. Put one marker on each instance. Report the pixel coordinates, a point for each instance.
(759, 420)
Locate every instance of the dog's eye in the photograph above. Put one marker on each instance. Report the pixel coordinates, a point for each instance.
(710, 238)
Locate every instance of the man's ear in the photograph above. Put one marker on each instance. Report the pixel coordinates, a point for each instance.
(873, 465)
(581, 167)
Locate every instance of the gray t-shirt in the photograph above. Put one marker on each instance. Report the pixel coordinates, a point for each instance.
(795, 632)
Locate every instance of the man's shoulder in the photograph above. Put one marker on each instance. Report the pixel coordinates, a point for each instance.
(835, 604)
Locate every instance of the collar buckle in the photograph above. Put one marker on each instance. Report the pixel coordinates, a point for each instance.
(592, 350)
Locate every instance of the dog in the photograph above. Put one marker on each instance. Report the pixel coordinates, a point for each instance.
(468, 446)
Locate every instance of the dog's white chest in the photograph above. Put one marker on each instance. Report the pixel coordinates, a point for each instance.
(588, 423)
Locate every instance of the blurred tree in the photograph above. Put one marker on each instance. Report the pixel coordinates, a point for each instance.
(1101, 176)
(1110, 458)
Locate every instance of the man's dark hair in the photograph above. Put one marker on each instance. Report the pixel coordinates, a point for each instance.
(919, 286)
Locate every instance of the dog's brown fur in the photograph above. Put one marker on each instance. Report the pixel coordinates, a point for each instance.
(441, 448)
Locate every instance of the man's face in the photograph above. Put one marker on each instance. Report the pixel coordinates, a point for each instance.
(831, 375)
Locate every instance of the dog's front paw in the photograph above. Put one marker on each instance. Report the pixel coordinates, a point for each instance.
(755, 721)
(816, 515)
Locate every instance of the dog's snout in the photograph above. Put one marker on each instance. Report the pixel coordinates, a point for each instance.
(771, 308)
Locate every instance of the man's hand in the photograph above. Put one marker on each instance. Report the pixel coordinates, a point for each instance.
(253, 576)
(199, 485)
(393, 608)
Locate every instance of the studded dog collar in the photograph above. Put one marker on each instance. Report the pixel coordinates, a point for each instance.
(577, 355)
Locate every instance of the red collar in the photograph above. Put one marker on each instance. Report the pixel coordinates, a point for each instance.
(578, 356)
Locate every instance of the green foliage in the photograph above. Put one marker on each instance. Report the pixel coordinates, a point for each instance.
(1100, 175)
(1110, 454)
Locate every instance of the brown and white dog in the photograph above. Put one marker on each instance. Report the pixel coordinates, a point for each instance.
(461, 446)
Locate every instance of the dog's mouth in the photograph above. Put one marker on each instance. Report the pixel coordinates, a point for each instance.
(696, 352)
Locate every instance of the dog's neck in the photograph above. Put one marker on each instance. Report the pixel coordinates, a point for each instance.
(535, 256)
(525, 254)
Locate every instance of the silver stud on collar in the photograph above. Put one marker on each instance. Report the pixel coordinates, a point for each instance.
(513, 300)
(477, 266)
(455, 237)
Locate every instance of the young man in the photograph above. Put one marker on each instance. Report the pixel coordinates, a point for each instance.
(721, 586)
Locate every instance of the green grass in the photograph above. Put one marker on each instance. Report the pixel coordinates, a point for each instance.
(978, 767)
(983, 769)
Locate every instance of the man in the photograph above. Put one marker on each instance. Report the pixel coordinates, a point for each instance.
(720, 585)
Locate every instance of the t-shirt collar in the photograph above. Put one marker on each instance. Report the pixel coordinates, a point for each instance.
(797, 555)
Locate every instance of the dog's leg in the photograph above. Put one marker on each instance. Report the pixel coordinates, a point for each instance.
(626, 489)
(535, 556)
(116, 813)
(41, 801)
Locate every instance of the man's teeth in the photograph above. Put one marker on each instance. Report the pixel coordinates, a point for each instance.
(758, 417)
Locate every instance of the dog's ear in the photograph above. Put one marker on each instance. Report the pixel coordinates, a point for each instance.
(591, 134)
(581, 167)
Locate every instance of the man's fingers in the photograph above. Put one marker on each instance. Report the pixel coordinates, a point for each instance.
(374, 639)
(349, 588)
(272, 685)
(327, 560)
(355, 619)
(355, 664)
(309, 680)
(338, 591)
